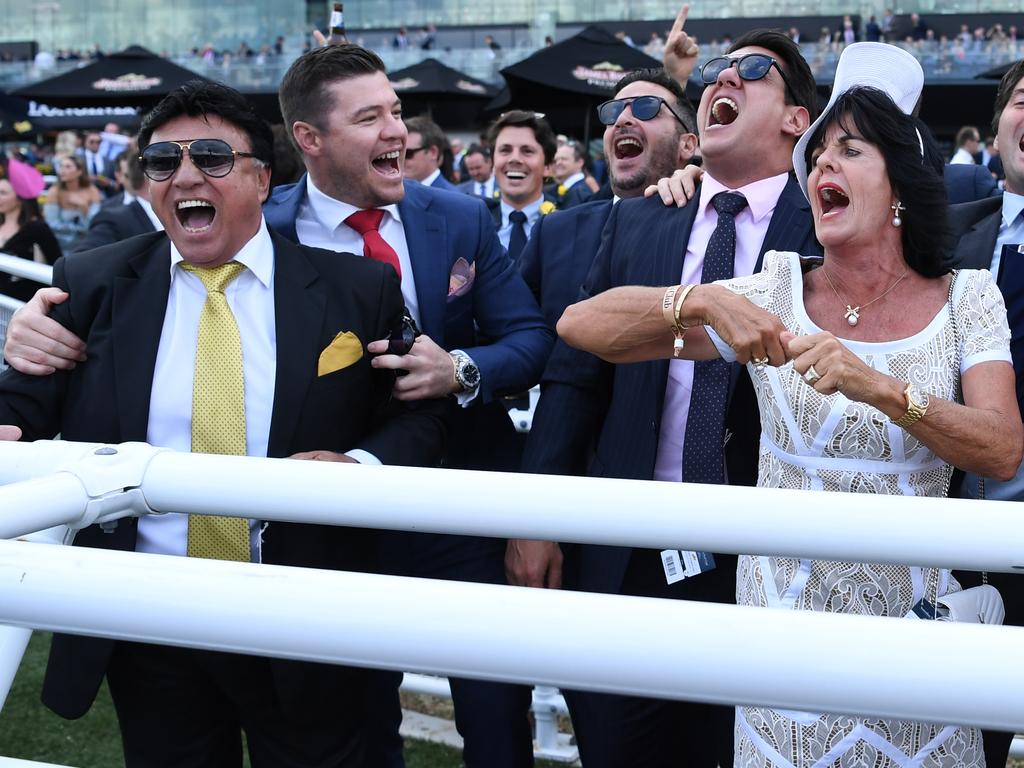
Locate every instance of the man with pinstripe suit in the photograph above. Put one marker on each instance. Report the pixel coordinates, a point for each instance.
(629, 421)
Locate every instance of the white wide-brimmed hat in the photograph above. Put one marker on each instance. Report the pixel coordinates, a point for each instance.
(876, 65)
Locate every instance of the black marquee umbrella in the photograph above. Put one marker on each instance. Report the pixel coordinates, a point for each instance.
(577, 73)
(133, 77)
(440, 91)
(996, 73)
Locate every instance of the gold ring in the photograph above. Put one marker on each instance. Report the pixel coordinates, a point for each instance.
(760, 362)
(811, 375)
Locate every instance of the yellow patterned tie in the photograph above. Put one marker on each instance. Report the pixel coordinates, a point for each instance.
(218, 409)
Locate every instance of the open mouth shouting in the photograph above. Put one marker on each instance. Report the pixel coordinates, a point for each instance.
(627, 147)
(387, 163)
(724, 111)
(832, 199)
(195, 216)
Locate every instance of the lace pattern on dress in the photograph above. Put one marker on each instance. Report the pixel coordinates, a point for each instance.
(826, 442)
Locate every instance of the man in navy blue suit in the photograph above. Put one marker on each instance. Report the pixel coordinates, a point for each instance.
(425, 153)
(562, 246)
(988, 234)
(460, 287)
(628, 421)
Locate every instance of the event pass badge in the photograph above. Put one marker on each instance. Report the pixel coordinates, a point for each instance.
(685, 564)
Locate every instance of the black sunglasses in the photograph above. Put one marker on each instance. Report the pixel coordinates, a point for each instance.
(752, 66)
(214, 157)
(411, 151)
(642, 107)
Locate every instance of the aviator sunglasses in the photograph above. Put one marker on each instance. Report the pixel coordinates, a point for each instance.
(752, 66)
(214, 157)
(643, 108)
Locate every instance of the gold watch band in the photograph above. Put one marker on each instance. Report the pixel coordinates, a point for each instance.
(915, 411)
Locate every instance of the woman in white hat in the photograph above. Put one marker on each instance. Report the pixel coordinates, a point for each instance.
(859, 366)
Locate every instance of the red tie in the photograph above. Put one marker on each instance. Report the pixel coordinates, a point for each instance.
(366, 223)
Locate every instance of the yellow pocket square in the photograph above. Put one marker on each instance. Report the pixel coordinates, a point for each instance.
(340, 353)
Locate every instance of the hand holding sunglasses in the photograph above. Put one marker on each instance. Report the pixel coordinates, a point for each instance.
(214, 157)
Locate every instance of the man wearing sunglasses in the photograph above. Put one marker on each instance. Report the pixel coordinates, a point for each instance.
(636, 421)
(211, 337)
(425, 153)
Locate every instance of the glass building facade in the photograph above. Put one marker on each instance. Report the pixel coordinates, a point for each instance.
(171, 26)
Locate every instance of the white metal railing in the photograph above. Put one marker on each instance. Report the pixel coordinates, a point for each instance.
(24, 268)
(632, 645)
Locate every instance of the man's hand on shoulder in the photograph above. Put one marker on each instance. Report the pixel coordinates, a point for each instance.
(679, 188)
(37, 345)
(431, 373)
(9, 432)
(530, 563)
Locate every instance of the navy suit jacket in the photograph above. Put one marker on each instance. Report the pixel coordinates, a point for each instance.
(442, 183)
(604, 420)
(440, 228)
(975, 227)
(559, 253)
(966, 183)
(114, 224)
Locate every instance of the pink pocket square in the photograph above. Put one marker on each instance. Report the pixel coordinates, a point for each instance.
(461, 278)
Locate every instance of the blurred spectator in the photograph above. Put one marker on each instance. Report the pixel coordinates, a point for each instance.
(66, 144)
(428, 37)
(872, 31)
(888, 25)
(964, 35)
(794, 35)
(480, 169)
(401, 39)
(71, 202)
(655, 46)
(493, 46)
(279, 45)
(22, 229)
(996, 33)
(112, 141)
(967, 144)
(849, 32)
(425, 153)
(548, 41)
(918, 29)
(287, 167)
(99, 167)
(825, 36)
(623, 37)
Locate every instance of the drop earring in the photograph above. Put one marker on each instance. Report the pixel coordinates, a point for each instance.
(896, 208)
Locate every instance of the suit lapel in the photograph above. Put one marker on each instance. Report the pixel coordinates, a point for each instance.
(426, 236)
(145, 225)
(299, 307)
(282, 210)
(790, 225)
(976, 245)
(139, 306)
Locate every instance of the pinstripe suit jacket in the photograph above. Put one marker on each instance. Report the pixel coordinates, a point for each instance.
(603, 420)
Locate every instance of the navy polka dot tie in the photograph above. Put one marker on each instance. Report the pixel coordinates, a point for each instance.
(517, 239)
(703, 455)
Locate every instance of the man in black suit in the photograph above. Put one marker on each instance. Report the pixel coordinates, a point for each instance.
(988, 234)
(99, 167)
(628, 421)
(298, 320)
(134, 216)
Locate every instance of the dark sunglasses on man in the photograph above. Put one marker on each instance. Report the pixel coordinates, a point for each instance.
(751, 66)
(214, 157)
(642, 107)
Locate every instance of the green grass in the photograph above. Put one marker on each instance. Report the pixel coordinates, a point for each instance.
(31, 732)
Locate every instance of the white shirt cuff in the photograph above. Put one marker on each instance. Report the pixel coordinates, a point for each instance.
(465, 398)
(363, 457)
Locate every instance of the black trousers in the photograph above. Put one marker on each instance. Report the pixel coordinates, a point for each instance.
(615, 731)
(186, 708)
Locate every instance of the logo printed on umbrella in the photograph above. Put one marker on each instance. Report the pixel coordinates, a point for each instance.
(127, 82)
(465, 85)
(605, 75)
(404, 84)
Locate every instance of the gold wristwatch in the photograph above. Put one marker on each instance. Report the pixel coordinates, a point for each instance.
(917, 406)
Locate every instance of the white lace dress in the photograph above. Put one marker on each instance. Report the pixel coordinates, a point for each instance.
(809, 440)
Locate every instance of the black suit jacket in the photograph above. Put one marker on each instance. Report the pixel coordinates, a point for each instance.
(975, 227)
(604, 420)
(118, 300)
(115, 223)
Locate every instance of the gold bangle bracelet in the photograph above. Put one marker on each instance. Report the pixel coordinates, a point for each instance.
(681, 297)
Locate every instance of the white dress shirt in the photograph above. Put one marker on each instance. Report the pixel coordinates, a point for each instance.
(751, 226)
(532, 212)
(429, 181)
(148, 209)
(573, 180)
(251, 298)
(484, 188)
(962, 157)
(321, 224)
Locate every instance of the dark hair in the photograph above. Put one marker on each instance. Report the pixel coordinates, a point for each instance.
(965, 134)
(132, 167)
(431, 132)
(1006, 86)
(519, 118)
(201, 98)
(478, 149)
(29, 211)
(659, 76)
(913, 165)
(83, 181)
(801, 79)
(303, 93)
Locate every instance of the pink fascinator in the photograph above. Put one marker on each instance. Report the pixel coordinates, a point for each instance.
(27, 181)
